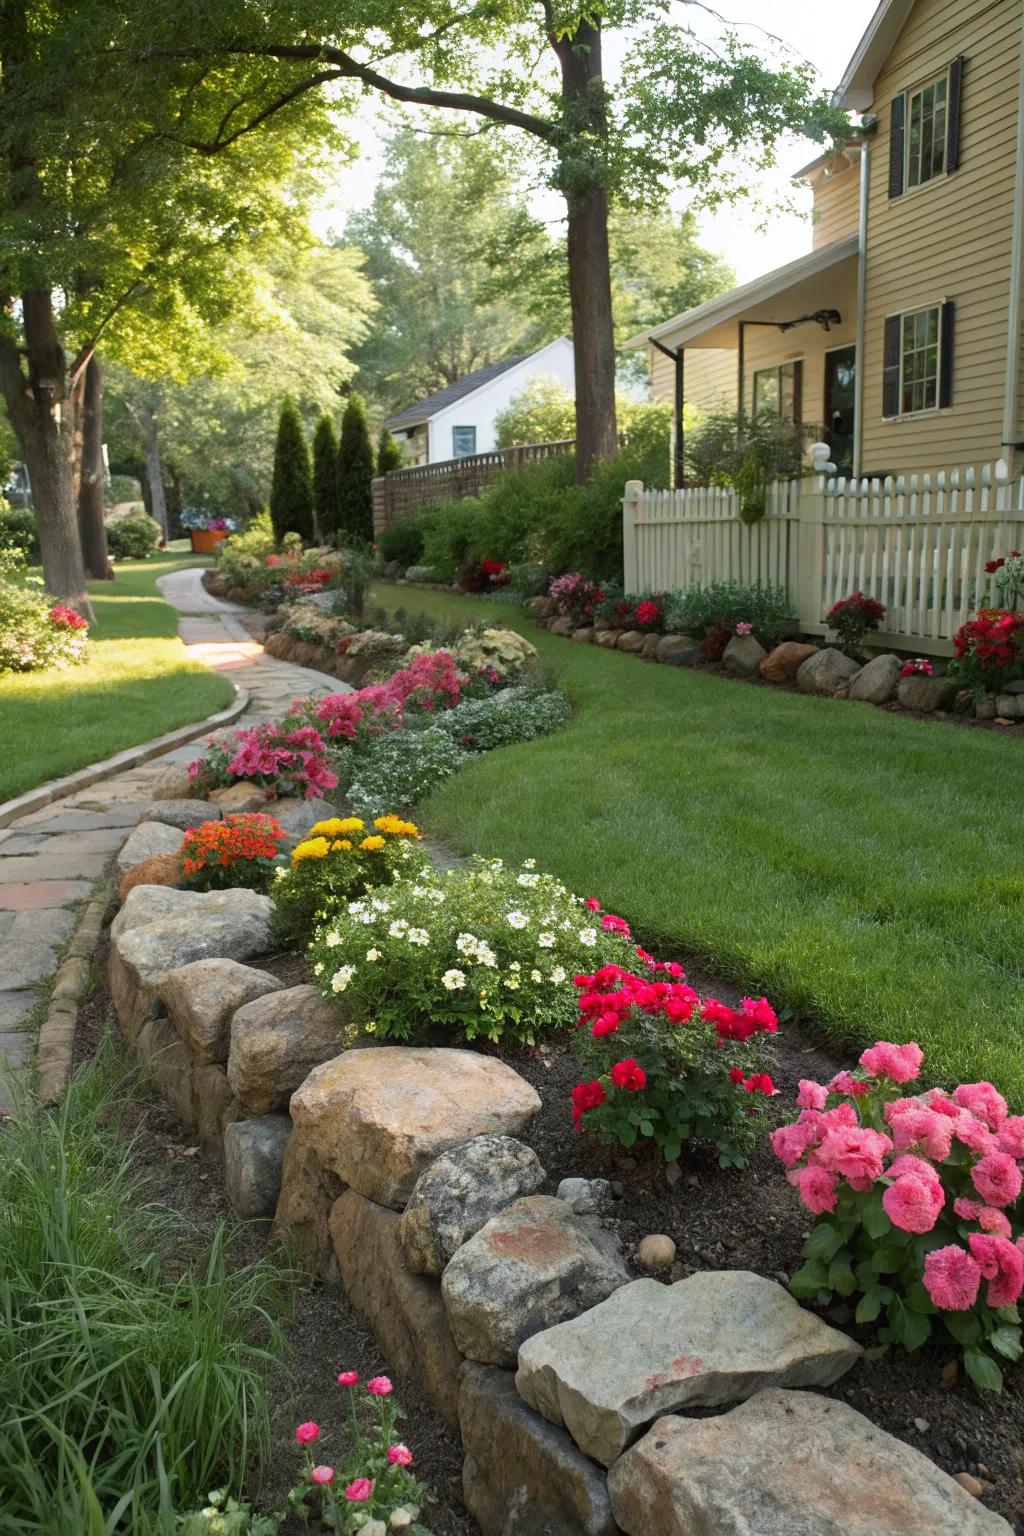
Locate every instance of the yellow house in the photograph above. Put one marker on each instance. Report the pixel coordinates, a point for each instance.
(901, 334)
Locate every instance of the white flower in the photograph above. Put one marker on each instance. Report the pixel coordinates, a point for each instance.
(366, 918)
(485, 956)
(379, 905)
(536, 976)
(333, 939)
(355, 907)
(280, 872)
(529, 881)
(437, 897)
(373, 954)
(546, 940)
(529, 863)
(514, 965)
(517, 919)
(588, 936)
(466, 944)
(453, 980)
(341, 978)
(512, 982)
(557, 976)
(418, 936)
(398, 927)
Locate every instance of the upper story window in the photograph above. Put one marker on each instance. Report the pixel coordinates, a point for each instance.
(924, 131)
(463, 442)
(778, 390)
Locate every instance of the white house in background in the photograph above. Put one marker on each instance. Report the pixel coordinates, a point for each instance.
(460, 420)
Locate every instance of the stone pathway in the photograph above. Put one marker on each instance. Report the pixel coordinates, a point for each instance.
(51, 858)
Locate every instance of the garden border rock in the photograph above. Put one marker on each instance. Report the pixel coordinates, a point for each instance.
(55, 1045)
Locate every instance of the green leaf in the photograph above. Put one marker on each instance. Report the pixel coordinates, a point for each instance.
(809, 1278)
(824, 1242)
(886, 1259)
(841, 1278)
(873, 1218)
(964, 1327)
(983, 1371)
(1007, 1341)
(868, 1308)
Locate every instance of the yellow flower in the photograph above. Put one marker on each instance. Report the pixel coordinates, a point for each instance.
(396, 827)
(312, 848)
(330, 828)
(341, 846)
(371, 844)
(351, 824)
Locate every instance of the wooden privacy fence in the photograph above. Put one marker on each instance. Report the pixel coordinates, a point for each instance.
(401, 493)
(919, 544)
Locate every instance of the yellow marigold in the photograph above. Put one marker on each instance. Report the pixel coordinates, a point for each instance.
(341, 846)
(312, 848)
(396, 827)
(371, 844)
(351, 824)
(331, 828)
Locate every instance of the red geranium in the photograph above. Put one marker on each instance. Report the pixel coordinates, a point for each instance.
(627, 1074)
(586, 1096)
(66, 618)
(647, 613)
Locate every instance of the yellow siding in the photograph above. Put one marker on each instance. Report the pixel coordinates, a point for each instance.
(709, 377)
(949, 239)
(836, 201)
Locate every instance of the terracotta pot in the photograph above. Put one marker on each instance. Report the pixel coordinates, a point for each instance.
(205, 540)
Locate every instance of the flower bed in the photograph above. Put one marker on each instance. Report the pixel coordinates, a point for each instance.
(35, 634)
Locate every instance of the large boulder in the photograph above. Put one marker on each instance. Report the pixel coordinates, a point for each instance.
(744, 655)
(298, 816)
(826, 671)
(308, 1193)
(717, 1337)
(876, 682)
(201, 999)
(379, 1116)
(1010, 706)
(169, 1067)
(562, 626)
(404, 1311)
(183, 814)
(632, 640)
(533, 1265)
(253, 1159)
(277, 1040)
(236, 799)
(214, 1105)
(521, 1475)
(608, 638)
(925, 694)
(147, 839)
(788, 1464)
(160, 928)
(782, 664)
(459, 1192)
(678, 651)
(173, 782)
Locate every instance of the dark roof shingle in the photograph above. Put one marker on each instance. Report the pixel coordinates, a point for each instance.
(422, 411)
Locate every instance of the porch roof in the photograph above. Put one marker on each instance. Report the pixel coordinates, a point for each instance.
(712, 324)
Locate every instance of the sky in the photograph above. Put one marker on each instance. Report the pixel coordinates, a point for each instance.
(825, 32)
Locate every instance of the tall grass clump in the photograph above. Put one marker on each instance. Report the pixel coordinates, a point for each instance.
(132, 1356)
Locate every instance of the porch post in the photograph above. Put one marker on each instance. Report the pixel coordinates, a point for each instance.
(680, 465)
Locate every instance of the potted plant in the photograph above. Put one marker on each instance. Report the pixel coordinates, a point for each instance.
(206, 530)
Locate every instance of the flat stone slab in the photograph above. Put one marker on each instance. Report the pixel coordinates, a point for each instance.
(534, 1265)
(788, 1464)
(716, 1337)
(182, 813)
(459, 1192)
(377, 1117)
(29, 945)
(36, 895)
(22, 869)
(148, 839)
(58, 818)
(15, 1008)
(58, 843)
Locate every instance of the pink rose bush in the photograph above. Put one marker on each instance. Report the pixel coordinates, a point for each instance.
(667, 1065)
(914, 1197)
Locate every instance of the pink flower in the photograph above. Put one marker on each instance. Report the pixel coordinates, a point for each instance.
(899, 1063)
(997, 1178)
(307, 1433)
(379, 1386)
(348, 1379)
(845, 1082)
(952, 1278)
(983, 1101)
(908, 1163)
(818, 1189)
(322, 1476)
(811, 1095)
(856, 1153)
(743, 628)
(967, 1210)
(996, 1222)
(1001, 1264)
(913, 1204)
(593, 905)
(973, 1134)
(921, 1128)
(399, 1456)
(1011, 1136)
(359, 1490)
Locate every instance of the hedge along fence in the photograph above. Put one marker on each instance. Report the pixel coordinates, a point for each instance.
(919, 544)
(399, 494)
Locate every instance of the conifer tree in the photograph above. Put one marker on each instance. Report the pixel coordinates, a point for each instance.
(389, 454)
(325, 478)
(355, 472)
(291, 492)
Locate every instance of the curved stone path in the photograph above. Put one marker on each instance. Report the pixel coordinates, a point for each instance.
(51, 858)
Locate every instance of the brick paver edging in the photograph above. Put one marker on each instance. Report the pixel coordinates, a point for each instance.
(56, 789)
(56, 1042)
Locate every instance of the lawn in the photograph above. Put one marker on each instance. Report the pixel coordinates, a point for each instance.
(136, 684)
(861, 868)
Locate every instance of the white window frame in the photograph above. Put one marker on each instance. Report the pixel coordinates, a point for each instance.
(905, 315)
(910, 97)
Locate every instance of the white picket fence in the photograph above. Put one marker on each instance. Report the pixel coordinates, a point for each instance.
(917, 543)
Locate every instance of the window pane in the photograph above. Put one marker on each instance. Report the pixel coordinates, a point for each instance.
(919, 363)
(908, 331)
(787, 391)
(766, 391)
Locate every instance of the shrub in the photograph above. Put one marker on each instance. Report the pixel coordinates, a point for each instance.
(325, 478)
(671, 1068)
(285, 759)
(575, 597)
(402, 542)
(915, 1202)
(482, 952)
(544, 411)
(35, 633)
(645, 612)
(529, 579)
(854, 617)
(723, 605)
(389, 453)
(18, 532)
(121, 488)
(291, 492)
(989, 650)
(355, 473)
(512, 715)
(239, 850)
(499, 654)
(338, 860)
(745, 453)
(242, 558)
(422, 573)
(1008, 571)
(401, 768)
(134, 536)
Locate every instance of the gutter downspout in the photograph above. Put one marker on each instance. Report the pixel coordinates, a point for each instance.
(1015, 330)
(862, 289)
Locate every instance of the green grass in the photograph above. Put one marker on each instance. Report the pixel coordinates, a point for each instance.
(136, 683)
(865, 869)
(133, 1358)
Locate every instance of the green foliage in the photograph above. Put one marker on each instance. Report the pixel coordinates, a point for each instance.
(134, 536)
(291, 492)
(389, 453)
(132, 1356)
(242, 557)
(355, 472)
(325, 478)
(745, 453)
(724, 604)
(544, 412)
(18, 532)
(402, 542)
(504, 718)
(122, 488)
(31, 638)
(398, 769)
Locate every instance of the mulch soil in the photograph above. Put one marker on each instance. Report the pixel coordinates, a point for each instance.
(718, 1219)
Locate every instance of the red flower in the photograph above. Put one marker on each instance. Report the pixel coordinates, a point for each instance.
(992, 566)
(759, 1083)
(627, 1074)
(607, 1024)
(593, 905)
(735, 1074)
(647, 613)
(586, 1096)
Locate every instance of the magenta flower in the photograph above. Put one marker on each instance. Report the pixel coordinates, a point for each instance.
(743, 628)
(307, 1433)
(984, 1101)
(952, 1278)
(1001, 1264)
(899, 1063)
(359, 1490)
(811, 1095)
(913, 1203)
(399, 1456)
(379, 1386)
(997, 1178)
(322, 1476)
(348, 1379)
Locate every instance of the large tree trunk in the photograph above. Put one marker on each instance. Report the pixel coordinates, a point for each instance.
(91, 527)
(590, 288)
(154, 469)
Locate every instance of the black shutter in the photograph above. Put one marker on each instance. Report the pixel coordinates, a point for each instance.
(897, 124)
(891, 366)
(798, 391)
(947, 318)
(956, 75)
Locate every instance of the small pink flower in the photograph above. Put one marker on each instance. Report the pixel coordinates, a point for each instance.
(912, 1203)
(1011, 1136)
(811, 1095)
(322, 1476)
(379, 1386)
(996, 1222)
(359, 1490)
(348, 1379)
(997, 1179)
(952, 1278)
(983, 1101)
(973, 1134)
(743, 628)
(967, 1210)
(307, 1433)
(845, 1082)
(918, 1127)
(899, 1063)
(593, 905)
(818, 1189)
(399, 1456)
(1001, 1264)
(855, 1153)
